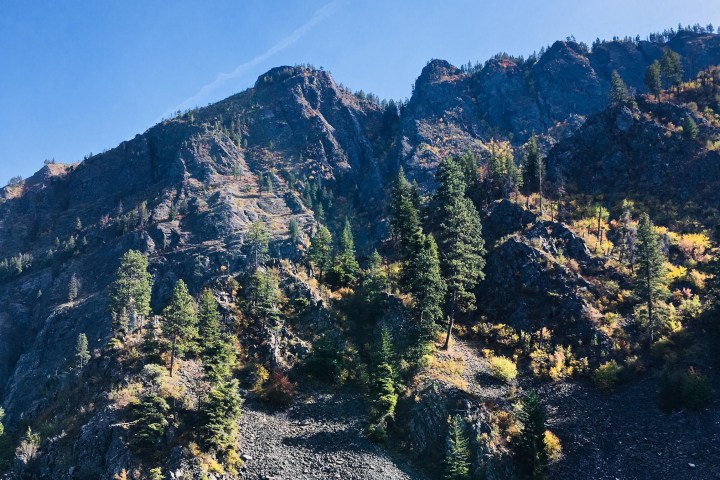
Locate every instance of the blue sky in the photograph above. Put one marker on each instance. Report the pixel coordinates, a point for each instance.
(81, 76)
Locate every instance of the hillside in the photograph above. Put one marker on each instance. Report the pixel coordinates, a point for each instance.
(335, 349)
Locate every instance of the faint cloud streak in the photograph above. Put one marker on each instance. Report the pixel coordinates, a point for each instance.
(223, 78)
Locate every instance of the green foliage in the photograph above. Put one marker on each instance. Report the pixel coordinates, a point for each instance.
(404, 221)
(293, 230)
(156, 474)
(690, 128)
(326, 360)
(457, 453)
(690, 389)
(81, 351)
(427, 286)
(257, 243)
(618, 89)
(461, 241)
(152, 347)
(179, 321)
(503, 369)
(607, 376)
(382, 388)
(219, 358)
(671, 68)
(504, 176)
(264, 297)
(533, 166)
(650, 274)
(653, 79)
(151, 416)
(320, 253)
(73, 288)
(130, 292)
(346, 268)
(208, 317)
(530, 446)
(221, 411)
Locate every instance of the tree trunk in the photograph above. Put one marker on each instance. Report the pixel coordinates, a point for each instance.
(451, 323)
(172, 355)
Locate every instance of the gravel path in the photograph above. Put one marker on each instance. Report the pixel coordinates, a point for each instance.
(318, 437)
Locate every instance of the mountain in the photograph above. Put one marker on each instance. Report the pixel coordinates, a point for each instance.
(299, 149)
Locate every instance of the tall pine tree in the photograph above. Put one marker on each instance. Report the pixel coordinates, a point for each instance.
(179, 321)
(427, 286)
(461, 241)
(130, 292)
(457, 454)
(346, 266)
(530, 446)
(320, 253)
(404, 221)
(650, 274)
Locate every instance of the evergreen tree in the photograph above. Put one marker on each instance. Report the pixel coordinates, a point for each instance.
(293, 230)
(179, 321)
(653, 79)
(690, 128)
(73, 287)
(404, 221)
(152, 416)
(152, 347)
(219, 358)
(320, 253)
(346, 266)
(533, 168)
(264, 297)
(457, 454)
(258, 243)
(503, 174)
(671, 68)
(130, 292)
(374, 282)
(427, 286)
(461, 241)
(208, 317)
(81, 351)
(618, 89)
(650, 274)
(530, 449)
(384, 397)
(221, 412)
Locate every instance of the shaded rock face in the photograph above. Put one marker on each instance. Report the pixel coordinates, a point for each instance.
(525, 287)
(640, 151)
(451, 110)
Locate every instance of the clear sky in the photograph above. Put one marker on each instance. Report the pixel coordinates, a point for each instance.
(79, 76)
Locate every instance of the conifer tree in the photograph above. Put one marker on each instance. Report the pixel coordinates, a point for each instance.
(457, 454)
(132, 288)
(530, 449)
(221, 412)
(208, 317)
(73, 287)
(82, 355)
(690, 128)
(374, 282)
(346, 267)
(405, 221)
(533, 168)
(219, 359)
(179, 321)
(320, 253)
(671, 68)
(264, 297)
(384, 396)
(152, 347)
(258, 243)
(152, 416)
(293, 230)
(618, 89)
(461, 241)
(427, 286)
(653, 79)
(650, 274)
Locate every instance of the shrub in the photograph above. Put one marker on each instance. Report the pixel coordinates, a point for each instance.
(690, 389)
(552, 446)
(607, 376)
(279, 390)
(503, 369)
